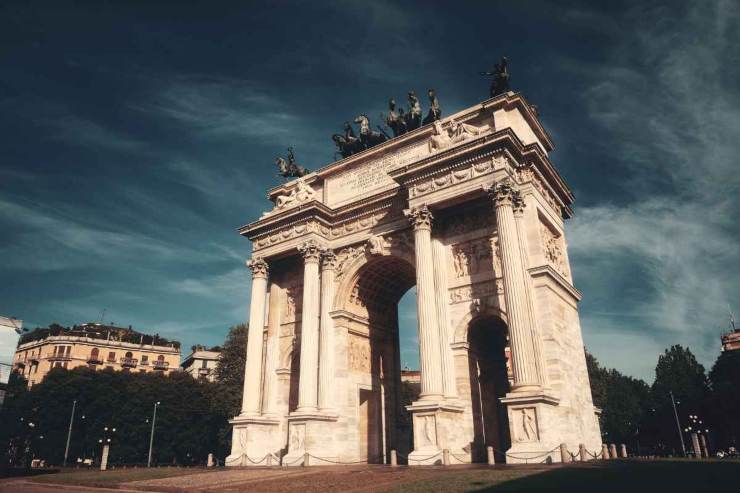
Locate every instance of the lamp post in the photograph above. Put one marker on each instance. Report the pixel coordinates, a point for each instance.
(698, 436)
(678, 424)
(105, 442)
(151, 436)
(69, 432)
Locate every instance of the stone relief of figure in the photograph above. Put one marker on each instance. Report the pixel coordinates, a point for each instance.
(528, 426)
(428, 430)
(462, 131)
(296, 438)
(440, 138)
(302, 192)
(377, 245)
(501, 77)
(413, 117)
(435, 112)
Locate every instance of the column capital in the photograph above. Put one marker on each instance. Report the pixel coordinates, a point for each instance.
(311, 251)
(258, 266)
(502, 193)
(328, 259)
(420, 217)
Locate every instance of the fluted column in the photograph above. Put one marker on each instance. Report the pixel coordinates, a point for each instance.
(253, 369)
(521, 228)
(272, 351)
(522, 346)
(326, 351)
(308, 378)
(431, 372)
(449, 388)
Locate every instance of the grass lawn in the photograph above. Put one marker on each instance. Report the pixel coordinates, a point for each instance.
(113, 477)
(630, 476)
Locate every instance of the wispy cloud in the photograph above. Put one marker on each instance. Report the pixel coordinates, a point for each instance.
(667, 256)
(75, 130)
(221, 107)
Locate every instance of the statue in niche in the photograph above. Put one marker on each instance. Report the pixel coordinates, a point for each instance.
(395, 120)
(435, 112)
(296, 438)
(501, 77)
(413, 117)
(289, 168)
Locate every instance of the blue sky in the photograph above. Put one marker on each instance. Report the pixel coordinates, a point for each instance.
(136, 137)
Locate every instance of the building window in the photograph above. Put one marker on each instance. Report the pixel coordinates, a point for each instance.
(94, 354)
(160, 357)
(204, 364)
(69, 350)
(144, 359)
(129, 354)
(111, 356)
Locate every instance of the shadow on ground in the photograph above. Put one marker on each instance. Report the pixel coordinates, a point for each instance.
(629, 476)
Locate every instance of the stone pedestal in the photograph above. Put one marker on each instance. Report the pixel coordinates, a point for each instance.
(252, 440)
(532, 427)
(311, 433)
(436, 427)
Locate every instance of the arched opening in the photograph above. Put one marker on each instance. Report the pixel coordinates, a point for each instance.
(489, 382)
(375, 347)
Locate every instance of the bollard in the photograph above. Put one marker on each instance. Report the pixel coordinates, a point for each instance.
(612, 451)
(210, 461)
(582, 452)
(604, 451)
(305, 459)
(269, 459)
(446, 457)
(704, 447)
(394, 458)
(564, 455)
(104, 458)
(491, 458)
(623, 451)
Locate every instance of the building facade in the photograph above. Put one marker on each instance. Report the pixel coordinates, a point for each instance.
(95, 346)
(202, 363)
(731, 341)
(471, 211)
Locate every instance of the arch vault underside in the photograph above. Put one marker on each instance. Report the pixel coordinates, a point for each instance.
(474, 220)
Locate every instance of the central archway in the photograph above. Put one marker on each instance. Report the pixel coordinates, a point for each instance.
(371, 294)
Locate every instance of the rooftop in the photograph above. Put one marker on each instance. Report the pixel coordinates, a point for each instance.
(93, 330)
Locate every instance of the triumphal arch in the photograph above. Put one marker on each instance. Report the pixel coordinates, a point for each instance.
(468, 210)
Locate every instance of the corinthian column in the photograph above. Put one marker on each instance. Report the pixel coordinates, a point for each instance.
(515, 290)
(269, 385)
(253, 368)
(308, 378)
(431, 374)
(326, 350)
(440, 291)
(521, 229)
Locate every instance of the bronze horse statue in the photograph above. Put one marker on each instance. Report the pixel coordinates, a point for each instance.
(289, 168)
(368, 137)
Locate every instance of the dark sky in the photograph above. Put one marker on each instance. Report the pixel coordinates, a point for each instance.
(135, 137)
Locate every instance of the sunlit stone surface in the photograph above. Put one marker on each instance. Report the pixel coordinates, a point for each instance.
(469, 211)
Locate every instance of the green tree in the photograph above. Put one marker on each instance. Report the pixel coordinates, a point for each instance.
(677, 372)
(624, 403)
(725, 400)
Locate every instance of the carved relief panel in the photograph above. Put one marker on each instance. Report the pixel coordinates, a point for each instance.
(553, 249)
(359, 354)
(525, 424)
(471, 257)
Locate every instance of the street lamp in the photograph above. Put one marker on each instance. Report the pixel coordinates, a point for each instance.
(151, 435)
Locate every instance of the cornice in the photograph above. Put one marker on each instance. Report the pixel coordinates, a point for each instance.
(562, 282)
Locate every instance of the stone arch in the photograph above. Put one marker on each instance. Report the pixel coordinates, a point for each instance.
(461, 329)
